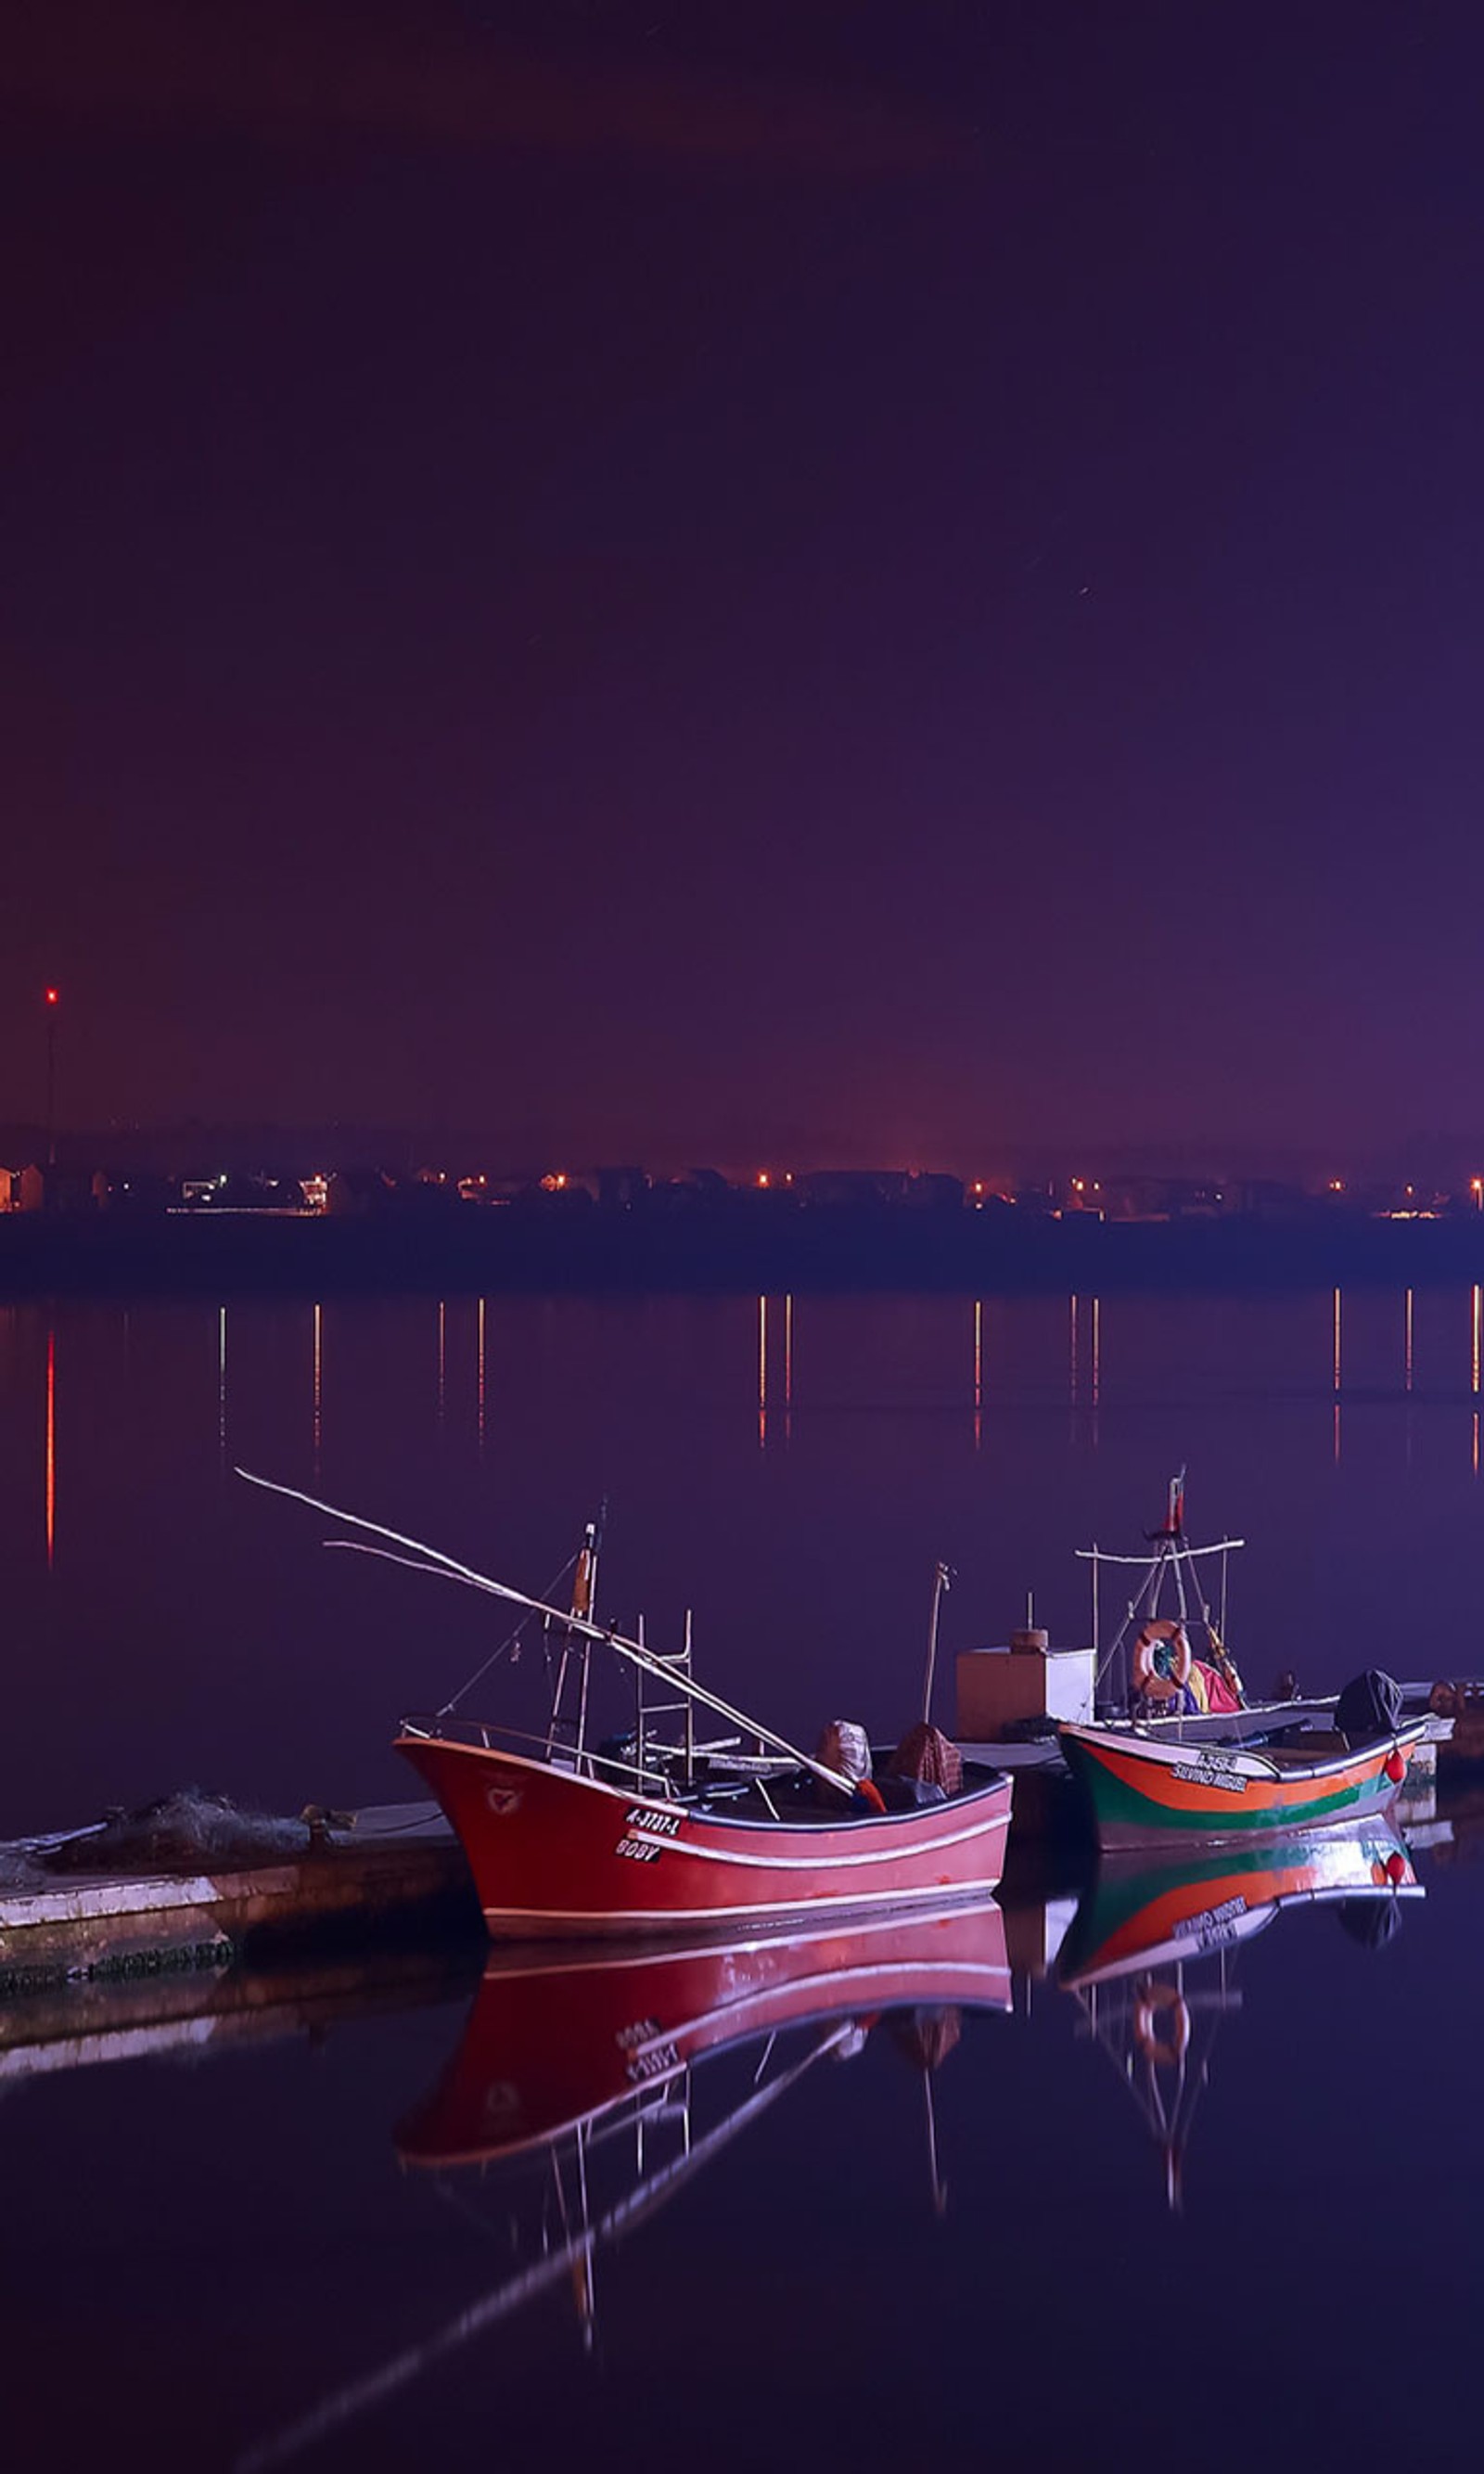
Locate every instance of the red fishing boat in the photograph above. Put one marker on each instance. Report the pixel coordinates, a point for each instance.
(658, 1832)
(563, 1851)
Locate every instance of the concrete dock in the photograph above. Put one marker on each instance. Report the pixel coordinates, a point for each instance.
(396, 1871)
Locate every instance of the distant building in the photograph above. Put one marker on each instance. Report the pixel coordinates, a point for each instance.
(139, 1190)
(69, 1191)
(836, 1189)
(349, 1193)
(934, 1190)
(619, 1189)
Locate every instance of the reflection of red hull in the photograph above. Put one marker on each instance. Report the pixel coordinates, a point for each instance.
(553, 1853)
(552, 2043)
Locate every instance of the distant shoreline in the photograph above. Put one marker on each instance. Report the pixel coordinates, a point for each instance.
(746, 1253)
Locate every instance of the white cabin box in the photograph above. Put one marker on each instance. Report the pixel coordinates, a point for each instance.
(997, 1687)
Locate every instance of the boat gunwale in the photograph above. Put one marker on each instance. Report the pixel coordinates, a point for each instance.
(988, 1782)
(1257, 1768)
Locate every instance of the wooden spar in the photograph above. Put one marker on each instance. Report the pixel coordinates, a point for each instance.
(446, 1568)
(1086, 1554)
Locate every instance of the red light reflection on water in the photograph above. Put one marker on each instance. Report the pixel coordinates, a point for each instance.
(51, 1448)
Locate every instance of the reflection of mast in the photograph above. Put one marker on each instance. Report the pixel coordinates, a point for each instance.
(572, 2260)
(1150, 2029)
(927, 2037)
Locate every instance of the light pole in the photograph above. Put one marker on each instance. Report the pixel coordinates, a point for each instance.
(53, 1000)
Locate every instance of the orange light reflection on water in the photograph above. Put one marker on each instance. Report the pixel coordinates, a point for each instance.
(788, 1365)
(479, 1362)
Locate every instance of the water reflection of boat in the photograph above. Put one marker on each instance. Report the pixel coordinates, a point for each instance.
(600, 2087)
(656, 1831)
(550, 2046)
(1139, 1912)
(1142, 1927)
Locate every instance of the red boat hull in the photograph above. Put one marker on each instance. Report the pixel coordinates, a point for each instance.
(555, 1853)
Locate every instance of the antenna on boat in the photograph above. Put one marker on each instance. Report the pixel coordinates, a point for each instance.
(942, 1582)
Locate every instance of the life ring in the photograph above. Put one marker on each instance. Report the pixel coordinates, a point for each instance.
(1161, 1659)
(1167, 2050)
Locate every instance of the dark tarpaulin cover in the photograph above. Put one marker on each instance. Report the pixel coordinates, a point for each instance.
(1370, 1704)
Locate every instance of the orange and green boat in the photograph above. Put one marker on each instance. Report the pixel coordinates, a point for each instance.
(1148, 1792)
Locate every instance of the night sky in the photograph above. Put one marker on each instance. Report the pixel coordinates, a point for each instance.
(853, 577)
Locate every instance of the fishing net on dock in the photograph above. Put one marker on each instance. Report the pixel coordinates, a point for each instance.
(182, 1833)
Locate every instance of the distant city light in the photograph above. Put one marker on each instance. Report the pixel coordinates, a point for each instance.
(1337, 1185)
(54, 996)
(763, 1177)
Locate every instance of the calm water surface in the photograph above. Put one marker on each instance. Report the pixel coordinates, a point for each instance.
(214, 2253)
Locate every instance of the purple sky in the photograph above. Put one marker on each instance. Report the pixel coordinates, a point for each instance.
(883, 577)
